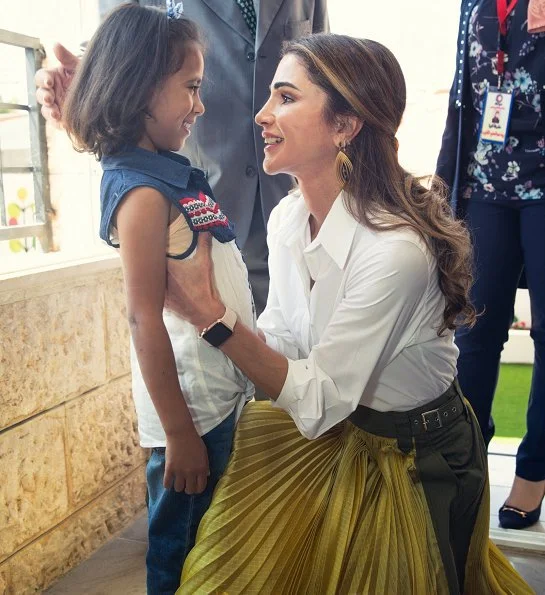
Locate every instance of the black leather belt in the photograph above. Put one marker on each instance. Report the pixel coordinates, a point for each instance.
(431, 417)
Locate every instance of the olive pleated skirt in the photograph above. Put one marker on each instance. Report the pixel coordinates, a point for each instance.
(349, 513)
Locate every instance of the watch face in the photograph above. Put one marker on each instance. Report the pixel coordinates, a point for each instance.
(218, 334)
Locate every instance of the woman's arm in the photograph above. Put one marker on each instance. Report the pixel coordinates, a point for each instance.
(364, 333)
(271, 323)
(142, 221)
(197, 300)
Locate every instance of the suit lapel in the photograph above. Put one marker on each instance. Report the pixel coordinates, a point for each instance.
(268, 9)
(230, 13)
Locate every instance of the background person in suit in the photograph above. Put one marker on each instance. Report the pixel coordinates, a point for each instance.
(243, 39)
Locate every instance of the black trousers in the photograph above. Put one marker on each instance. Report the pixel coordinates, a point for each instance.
(451, 465)
(506, 237)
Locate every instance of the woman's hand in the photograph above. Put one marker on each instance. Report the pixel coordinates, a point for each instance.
(191, 291)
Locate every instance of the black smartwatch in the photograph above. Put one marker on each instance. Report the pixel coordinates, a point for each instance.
(218, 332)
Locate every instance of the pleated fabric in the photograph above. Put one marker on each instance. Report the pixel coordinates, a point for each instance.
(338, 515)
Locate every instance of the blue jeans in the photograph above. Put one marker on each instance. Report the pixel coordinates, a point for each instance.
(174, 517)
(506, 237)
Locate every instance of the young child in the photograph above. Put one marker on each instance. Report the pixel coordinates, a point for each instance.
(133, 100)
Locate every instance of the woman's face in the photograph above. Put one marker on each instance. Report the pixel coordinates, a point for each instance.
(298, 140)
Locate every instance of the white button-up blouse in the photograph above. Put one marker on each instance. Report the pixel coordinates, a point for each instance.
(365, 332)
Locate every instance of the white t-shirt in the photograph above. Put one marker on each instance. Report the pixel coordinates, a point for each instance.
(366, 333)
(212, 385)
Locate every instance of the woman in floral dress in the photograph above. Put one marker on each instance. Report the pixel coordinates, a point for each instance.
(500, 190)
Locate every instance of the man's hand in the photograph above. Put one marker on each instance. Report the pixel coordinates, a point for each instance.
(186, 463)
(52, 84)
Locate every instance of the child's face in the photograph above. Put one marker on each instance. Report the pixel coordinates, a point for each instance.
(175, 105)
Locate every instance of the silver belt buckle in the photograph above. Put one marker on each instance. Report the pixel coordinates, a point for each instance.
(437, 421)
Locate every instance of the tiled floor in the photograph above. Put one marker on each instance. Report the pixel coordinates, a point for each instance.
(118, 568)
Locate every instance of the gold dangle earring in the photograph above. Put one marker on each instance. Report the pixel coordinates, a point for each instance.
(343, 165)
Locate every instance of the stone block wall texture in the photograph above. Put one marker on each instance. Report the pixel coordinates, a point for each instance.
(71, 467)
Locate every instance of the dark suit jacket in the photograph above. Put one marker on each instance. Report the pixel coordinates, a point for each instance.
(226, 142)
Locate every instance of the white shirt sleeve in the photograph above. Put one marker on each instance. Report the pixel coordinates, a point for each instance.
(384, 289)
(272, 321)
(273, 325)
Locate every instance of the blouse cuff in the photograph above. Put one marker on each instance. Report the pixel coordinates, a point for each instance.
(288, 395)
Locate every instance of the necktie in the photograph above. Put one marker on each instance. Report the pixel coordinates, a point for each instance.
(248, 12)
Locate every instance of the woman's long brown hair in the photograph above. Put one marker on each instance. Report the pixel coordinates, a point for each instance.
(362, 78)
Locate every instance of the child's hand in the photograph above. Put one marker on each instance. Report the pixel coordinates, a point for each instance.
(186, 463)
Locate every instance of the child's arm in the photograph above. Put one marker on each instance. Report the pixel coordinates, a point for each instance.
(142, 221)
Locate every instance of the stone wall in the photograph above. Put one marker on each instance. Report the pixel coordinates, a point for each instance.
(71, 469)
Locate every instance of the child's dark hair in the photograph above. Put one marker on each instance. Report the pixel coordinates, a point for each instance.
(132, 52)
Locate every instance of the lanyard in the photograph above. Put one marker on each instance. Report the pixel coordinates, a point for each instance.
(504, 10)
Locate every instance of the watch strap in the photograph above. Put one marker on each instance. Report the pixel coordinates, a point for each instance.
(229, 319)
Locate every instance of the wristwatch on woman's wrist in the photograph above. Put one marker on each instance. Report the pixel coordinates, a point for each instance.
(219, 331)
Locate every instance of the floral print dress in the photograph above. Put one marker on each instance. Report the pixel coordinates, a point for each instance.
(517, 170)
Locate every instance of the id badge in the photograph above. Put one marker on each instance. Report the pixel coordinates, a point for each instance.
(496, 116)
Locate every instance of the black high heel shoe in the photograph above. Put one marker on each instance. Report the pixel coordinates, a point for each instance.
(512, 517)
